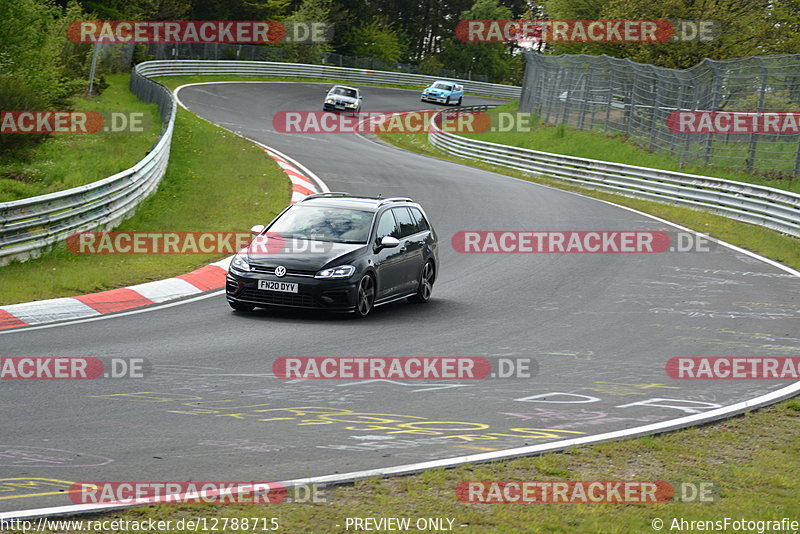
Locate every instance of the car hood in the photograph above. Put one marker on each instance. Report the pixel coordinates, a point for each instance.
(342, 98)
(302, 255)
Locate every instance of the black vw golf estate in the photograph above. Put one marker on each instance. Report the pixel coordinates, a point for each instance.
(335, 251)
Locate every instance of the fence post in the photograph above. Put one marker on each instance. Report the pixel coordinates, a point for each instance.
(570, 75)
(587, 80)
(687, 136)
(629, 111)
(751, 158)
(611, 79)
(797, 161)
(678, 107)
(655, 111)
(715, 89)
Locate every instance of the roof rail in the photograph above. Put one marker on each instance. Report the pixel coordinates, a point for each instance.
(329, 194)
(394, 199)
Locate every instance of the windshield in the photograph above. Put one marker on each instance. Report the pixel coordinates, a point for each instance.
(336, 225)
(445, 86)
(344, 92)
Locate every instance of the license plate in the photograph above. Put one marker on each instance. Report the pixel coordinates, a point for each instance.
(283, 287)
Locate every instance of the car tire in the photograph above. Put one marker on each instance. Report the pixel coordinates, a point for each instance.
(241, 307)
(365, 296)
(447, 102)
(459, 101)
(425, 287)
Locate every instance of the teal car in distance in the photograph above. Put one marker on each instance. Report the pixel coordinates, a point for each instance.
(443, 92)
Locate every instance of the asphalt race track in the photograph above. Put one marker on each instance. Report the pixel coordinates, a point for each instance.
(600, 326)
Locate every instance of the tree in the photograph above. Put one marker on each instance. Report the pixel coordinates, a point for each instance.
(498, 61)
(309, 11)
(377, 39)
(134, 9)
(238, 9)
(784, 21)
(743, 28)
(37, 71)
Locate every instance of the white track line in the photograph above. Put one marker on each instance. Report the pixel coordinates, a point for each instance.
(149, 286)
(343, 478)
(672, 424)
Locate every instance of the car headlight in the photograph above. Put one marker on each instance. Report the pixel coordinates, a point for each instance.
(239, 263)
(329, 101)
(342, 271)
(350, 105)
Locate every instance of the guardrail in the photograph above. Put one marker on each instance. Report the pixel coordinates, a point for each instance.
(31, 225)
(756, 204)
(302, 70)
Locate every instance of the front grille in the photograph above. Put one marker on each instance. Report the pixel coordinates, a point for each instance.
(293, 272)
(277, 298)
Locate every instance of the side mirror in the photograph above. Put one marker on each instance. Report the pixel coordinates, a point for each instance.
(360, 97)
(257, 229)
(389, 242)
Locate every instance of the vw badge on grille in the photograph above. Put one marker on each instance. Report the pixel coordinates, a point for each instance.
(280, 271)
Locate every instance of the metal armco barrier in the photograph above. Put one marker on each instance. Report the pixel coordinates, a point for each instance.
(302, 70)
(30, 225)
(765, 206)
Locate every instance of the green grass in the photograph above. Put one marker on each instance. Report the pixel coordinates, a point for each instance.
(216, 181)
(611, 147)
(752, 460)
(69, 160)
(782, 248)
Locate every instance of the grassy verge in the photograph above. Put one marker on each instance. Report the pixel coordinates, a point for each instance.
(187, 199)
(782, 248)
(215, 181)
(613, 147)
(751, 461)
(69, 160)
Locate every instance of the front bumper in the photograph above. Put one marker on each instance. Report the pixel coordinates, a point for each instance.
(434, 98)
(337, 107)
(312, 293)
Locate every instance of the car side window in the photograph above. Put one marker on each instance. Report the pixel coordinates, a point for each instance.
(406, 223)
(386, 226)
(419, 220)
